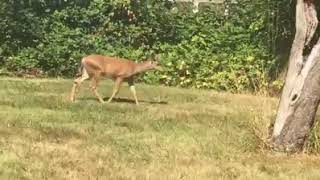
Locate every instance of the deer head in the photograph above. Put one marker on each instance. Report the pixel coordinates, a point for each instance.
(154, 63)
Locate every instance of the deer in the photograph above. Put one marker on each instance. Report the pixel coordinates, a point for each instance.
(96, 67)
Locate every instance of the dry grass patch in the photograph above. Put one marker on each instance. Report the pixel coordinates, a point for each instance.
(174, 134)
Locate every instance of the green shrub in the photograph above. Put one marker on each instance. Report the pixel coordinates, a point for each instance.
(200, 50)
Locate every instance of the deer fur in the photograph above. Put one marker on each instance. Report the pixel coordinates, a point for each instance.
(96, 67)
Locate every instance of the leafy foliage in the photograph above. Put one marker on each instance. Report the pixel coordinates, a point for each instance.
(201, 50)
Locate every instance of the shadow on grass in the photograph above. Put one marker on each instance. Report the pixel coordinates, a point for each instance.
(124, 100)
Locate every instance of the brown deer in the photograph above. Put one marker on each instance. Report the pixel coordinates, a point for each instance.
(95, 67)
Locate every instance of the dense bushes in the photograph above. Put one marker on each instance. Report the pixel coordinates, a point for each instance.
(202, 50)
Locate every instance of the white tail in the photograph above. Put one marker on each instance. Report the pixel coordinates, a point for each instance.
(95, 67)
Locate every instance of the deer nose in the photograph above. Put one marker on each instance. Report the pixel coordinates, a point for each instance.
(159, 68)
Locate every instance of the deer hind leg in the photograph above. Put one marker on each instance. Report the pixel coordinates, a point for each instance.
(116, 88)
(133, 90)
(94, 84)
(76, 84)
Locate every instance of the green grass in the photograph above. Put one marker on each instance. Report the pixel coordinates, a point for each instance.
(174, 134)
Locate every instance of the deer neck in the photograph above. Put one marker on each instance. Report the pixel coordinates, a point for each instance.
(141, 67)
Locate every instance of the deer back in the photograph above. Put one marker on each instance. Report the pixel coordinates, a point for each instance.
(109, 66)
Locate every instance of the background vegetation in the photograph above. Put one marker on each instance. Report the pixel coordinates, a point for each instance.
(238, 51)
(175, 133)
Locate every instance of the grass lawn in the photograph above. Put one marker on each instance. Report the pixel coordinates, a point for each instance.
(173, 134)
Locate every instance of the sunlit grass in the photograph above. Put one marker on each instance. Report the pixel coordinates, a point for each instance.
(174, 134)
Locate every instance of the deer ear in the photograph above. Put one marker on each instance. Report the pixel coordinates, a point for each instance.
(154, 57)
(157, 57)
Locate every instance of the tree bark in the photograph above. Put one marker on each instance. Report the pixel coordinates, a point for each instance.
(301, 93)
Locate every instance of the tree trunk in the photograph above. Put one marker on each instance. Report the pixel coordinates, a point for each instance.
(301, 93)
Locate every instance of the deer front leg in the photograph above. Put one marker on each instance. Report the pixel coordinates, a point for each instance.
(74, 90)
(116, 88)
(133, 90)
(94, 89)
